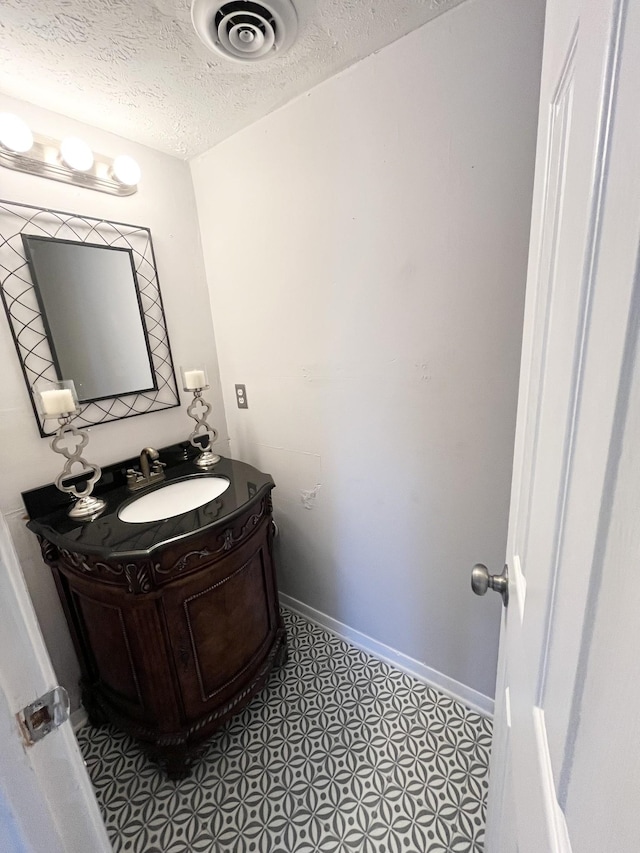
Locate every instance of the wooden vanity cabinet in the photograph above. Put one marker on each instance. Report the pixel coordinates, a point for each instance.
(174, 643)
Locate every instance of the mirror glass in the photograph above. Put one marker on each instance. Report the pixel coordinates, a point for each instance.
(90, 304)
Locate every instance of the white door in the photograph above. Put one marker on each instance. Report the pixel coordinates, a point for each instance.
(46, 798)
(576, 467)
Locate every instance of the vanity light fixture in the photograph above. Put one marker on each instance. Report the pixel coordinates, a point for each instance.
(203, 436)
(15, 134)
(70, 160)
(59, 400)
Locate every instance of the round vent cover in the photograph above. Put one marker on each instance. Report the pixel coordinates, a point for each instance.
(244, 30)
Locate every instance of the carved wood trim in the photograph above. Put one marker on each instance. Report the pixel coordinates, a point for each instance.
(184, 561)
(49, 551)
(252, 522)
(135, 576)
(227, 540)
(138, 580)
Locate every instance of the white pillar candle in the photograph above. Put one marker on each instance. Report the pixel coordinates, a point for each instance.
(58, 401)
(194, 379)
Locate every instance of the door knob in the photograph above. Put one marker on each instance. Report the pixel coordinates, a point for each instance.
(481, 581)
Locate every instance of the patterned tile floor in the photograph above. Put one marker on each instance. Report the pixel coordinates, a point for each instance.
(339, 753)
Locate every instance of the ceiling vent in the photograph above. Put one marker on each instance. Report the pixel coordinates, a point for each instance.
(244, 30)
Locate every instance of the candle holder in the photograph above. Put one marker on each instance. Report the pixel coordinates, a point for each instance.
(203, 435)
(59, 400)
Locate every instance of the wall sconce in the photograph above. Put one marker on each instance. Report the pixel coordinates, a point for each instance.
(71, 160)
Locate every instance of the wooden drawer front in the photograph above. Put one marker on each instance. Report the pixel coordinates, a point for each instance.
(223, 628)
(179, 559)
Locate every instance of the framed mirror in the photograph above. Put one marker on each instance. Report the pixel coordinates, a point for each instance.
(83, 302)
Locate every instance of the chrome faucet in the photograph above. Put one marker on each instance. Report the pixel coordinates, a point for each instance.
(151, 470)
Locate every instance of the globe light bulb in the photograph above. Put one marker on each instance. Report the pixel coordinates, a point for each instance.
(126, 170)
(15, 134)
(76, 153)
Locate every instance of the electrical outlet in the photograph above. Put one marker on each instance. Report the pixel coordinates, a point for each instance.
(241, 397)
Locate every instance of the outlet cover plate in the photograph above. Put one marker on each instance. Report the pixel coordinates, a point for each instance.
(241, 397)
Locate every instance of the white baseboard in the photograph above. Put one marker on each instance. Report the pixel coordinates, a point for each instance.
(78, 718)
(467, 696)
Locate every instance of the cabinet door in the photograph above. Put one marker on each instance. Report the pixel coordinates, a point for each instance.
(120, 642)
(222, 625)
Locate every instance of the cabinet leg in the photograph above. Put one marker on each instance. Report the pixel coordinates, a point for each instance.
(178, 766)
(97, 717)
(282, 655)
(176, 761)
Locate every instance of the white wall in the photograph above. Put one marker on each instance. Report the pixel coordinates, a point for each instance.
(366, 251)
(165, 203)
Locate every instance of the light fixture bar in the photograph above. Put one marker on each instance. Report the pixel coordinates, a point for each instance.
(44, 160)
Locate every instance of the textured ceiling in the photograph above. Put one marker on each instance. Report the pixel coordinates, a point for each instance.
(137, 68)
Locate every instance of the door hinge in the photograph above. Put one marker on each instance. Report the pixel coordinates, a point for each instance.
(44, 715)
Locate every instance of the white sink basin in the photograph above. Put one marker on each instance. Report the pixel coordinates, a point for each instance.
(173, 499)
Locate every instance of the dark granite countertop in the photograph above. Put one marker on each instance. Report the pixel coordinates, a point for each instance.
(111, 538)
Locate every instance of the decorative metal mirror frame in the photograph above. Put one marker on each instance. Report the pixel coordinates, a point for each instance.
(27, 324)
